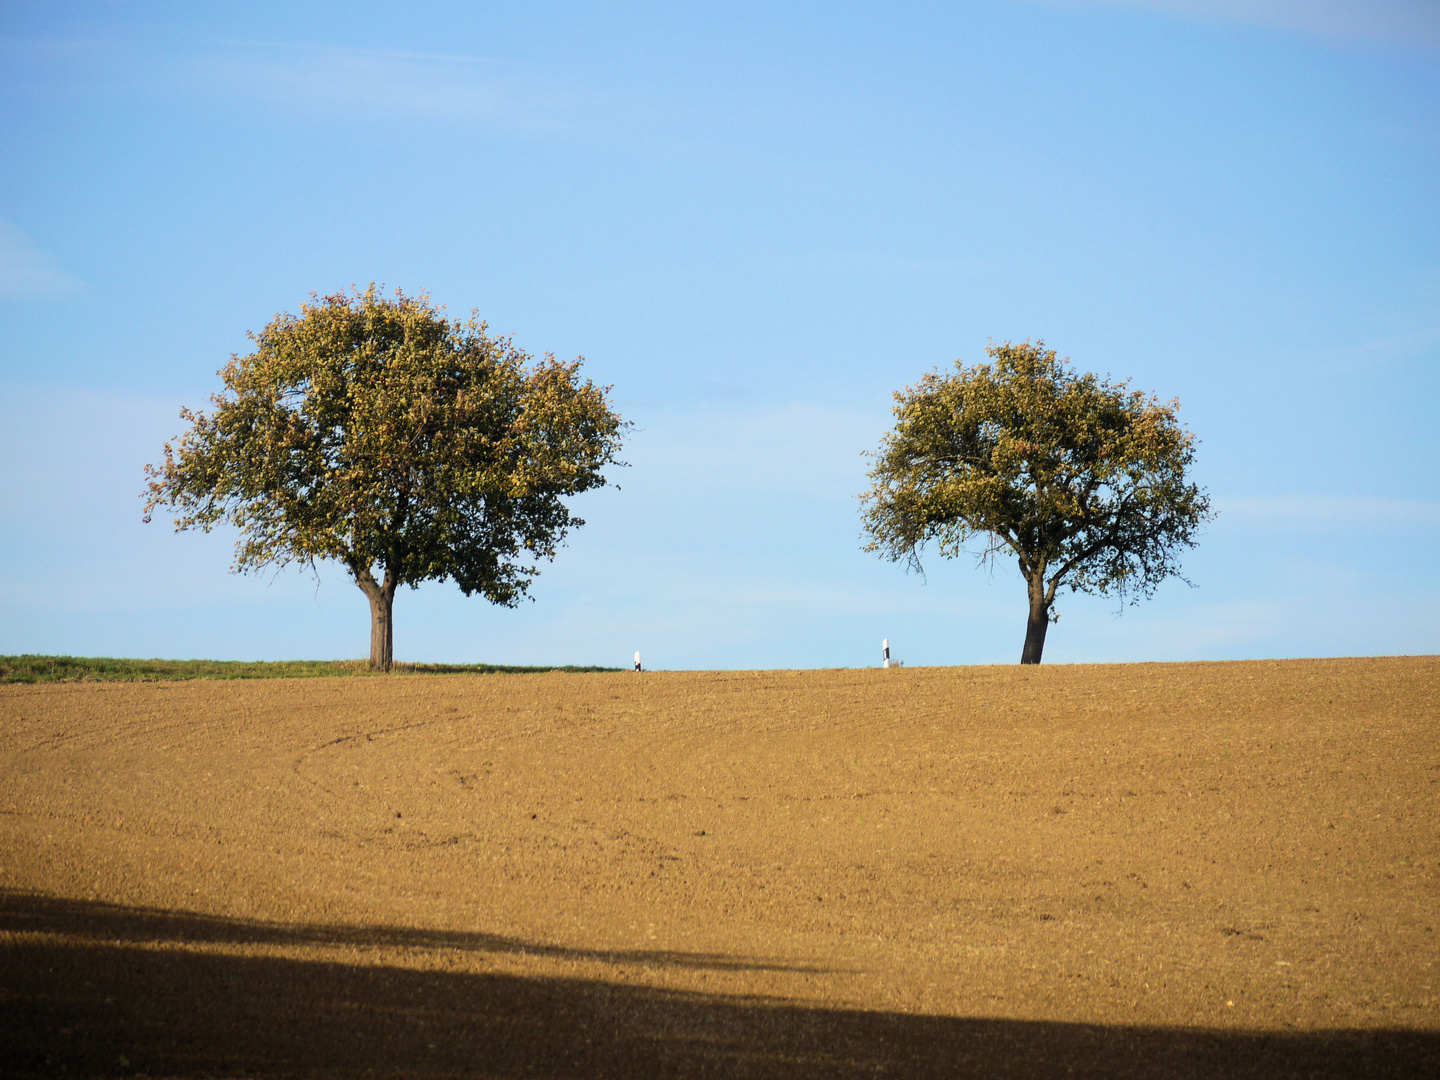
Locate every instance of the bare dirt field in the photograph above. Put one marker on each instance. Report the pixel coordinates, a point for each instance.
(1141, 870)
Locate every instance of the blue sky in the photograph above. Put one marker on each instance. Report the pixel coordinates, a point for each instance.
(756, 222)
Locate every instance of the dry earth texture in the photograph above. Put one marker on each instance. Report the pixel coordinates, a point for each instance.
(1149, 870)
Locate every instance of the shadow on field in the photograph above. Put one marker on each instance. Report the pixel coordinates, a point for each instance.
(116, 925)
(112, 991)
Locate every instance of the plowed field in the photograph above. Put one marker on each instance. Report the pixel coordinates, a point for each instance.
(1159, 870)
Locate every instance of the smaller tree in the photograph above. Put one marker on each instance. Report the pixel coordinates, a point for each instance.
(1083, 481)
(404, 445)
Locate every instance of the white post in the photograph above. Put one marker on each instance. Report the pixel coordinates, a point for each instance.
(637, 661)
(885, 646)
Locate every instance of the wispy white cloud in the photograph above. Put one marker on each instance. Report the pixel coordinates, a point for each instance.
(861, 263)
(26, 272)
(1090, 632)
(1395, 346)
(350, 83)
(1312, 513)
(1415, 23)
(798, 450)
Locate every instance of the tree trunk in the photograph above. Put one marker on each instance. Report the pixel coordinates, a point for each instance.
(382, 631)
(1037, 623)
(382, 623)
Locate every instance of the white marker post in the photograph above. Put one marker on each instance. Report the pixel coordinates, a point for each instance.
(885, 645)
(637, 661)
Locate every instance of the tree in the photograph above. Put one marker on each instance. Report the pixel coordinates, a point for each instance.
(1082, 480)
(404, 445)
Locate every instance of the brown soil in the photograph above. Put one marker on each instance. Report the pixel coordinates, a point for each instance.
(1170, 869)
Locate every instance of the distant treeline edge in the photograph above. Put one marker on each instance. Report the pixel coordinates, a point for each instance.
(32, 669)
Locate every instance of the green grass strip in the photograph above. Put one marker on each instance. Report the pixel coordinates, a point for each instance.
(32, 669)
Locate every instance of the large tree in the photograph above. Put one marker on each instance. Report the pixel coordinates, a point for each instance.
(406, 446)
(1083, 481)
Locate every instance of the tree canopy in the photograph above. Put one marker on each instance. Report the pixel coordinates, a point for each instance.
(406, 446)
(1083, 481)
